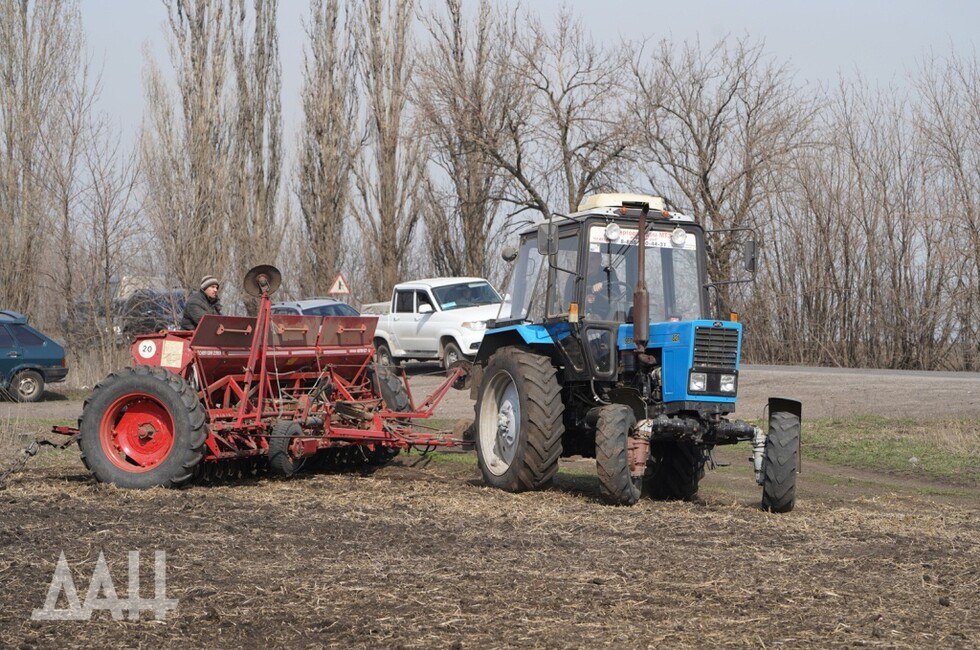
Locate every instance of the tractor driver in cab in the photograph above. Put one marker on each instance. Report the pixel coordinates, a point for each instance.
(201, 302)
(604, 293)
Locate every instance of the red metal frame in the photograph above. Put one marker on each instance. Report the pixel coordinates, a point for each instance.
(326, 386)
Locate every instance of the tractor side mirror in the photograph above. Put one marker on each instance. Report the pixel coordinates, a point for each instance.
(547, 239)
(509, 253)
(749, 255)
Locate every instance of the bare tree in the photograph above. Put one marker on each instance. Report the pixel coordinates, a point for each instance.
(256, 148)
(39, 59)
(949, 118)
(560, 132)
(459, 81)
(391, 168)
(110, 240)
(69, 139)
(715, 126)
(185, 148)
(328, 143)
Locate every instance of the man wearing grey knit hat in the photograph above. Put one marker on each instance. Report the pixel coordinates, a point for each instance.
(201, 302)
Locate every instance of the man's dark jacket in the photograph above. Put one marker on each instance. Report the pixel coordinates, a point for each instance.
(197, 305)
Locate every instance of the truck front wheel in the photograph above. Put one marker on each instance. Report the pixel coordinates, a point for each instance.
(519, 421)
(382, 355)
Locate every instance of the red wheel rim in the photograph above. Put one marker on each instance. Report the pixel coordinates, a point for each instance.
(137, 432)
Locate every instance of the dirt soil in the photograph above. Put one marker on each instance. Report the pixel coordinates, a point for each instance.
(421, 554)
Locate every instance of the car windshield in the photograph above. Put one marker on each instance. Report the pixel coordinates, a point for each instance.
(671, 276)
(339, 309)
(466, 294)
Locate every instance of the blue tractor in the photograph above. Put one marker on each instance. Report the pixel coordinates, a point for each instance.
(605, 348)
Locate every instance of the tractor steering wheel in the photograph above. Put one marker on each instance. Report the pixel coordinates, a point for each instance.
(609, 295)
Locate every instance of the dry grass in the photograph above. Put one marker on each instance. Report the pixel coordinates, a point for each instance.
(947, 450)
(423, 555)
(89, 366)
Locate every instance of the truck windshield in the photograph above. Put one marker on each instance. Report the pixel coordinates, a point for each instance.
(671, 276)
(465, 294)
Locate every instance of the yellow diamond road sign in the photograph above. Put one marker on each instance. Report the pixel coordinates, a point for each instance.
(339, 286)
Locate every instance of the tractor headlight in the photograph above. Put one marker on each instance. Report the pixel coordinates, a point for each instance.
(698, 382)
(727, 384)
(613, 232)
(476, 325)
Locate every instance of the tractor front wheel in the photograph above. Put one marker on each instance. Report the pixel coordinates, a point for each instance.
(142, 427)
(616, 486)
(780, 461)
(519, 421)
(678, 468)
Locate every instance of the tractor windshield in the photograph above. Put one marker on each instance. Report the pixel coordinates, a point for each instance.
(671, 276)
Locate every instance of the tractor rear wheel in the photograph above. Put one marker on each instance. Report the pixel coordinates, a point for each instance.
(519, 421)
(616, 486)
(780, 461)
(282, 461)
(143, 427)
(678, 468)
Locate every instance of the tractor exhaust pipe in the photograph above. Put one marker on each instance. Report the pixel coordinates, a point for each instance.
(641, 298)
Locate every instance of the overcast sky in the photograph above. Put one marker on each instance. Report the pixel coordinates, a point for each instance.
(881, 39)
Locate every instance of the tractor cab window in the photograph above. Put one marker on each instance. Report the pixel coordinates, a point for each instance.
(672, 276)
(527, 285)
(566, 263)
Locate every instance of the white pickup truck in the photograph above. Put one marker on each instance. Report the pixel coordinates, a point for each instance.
(438, 318)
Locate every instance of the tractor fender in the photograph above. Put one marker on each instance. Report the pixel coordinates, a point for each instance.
(522, 335)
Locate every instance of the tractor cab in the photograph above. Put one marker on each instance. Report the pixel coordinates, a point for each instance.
(573, 287)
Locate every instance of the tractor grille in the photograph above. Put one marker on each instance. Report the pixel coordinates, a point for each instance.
(715, 347)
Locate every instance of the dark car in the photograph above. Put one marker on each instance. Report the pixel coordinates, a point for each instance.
(147, 311)
(28, 359)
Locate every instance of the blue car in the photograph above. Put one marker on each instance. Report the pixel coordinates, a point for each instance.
(28, 359)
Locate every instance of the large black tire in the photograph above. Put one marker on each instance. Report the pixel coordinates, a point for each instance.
(678, 467)
(616, 486)
(128, 393)
(451, 354)
(519, 451)
(780, 462)
(281, 461)
(27, 386)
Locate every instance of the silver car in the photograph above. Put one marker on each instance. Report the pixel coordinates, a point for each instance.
(315, 307)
